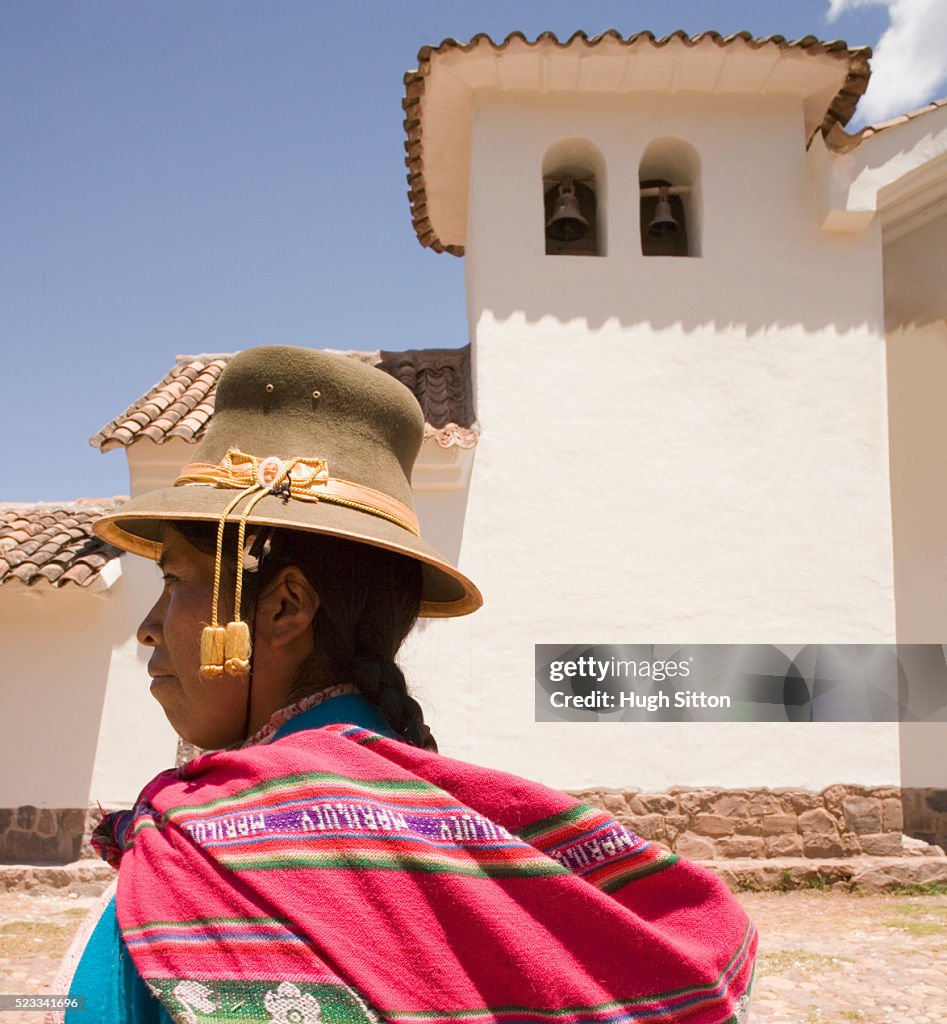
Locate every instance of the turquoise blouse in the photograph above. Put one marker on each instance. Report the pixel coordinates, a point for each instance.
(106, 976)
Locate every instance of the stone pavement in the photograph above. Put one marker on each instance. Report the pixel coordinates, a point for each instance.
(826, 957)
(833, 958)
(35, 931)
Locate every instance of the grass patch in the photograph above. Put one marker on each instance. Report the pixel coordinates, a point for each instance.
(921, 909)
(787, 881)
(918, 929)
(790, 882)
(26, 938)
(920, 920)
(798, 959)
(920, 889)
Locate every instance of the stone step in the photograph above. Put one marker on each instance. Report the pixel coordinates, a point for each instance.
(83, 877)
(849, 874)
(846, 874)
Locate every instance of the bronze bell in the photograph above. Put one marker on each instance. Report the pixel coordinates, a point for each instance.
(663, 223)
(566, 223)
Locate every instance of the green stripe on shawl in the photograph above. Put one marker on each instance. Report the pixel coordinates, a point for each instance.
(293, 782)
(386, 862)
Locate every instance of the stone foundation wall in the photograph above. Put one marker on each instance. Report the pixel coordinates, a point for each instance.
(41, 835)
(702, 824)
(712, 824)
(925, 814)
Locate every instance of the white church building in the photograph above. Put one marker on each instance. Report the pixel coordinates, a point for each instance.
(701, 403)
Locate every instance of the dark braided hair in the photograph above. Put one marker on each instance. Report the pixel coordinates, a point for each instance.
(368, 602)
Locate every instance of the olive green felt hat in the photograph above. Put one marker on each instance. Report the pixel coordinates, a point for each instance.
(313, 441)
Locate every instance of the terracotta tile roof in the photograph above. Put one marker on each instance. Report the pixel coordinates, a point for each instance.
(182, 402)
(179, 405)
(840, 141)
(52, 544)
(441, 381)
(839, 111)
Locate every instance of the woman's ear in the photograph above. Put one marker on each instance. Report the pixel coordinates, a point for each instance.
(286, 607)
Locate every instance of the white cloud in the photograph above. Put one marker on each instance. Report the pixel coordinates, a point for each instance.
(910, 62)
(837, 7)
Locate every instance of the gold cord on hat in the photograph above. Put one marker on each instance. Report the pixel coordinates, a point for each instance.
(307, 479)
(226, 649)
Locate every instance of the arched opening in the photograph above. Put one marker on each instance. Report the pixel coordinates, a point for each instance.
(670, 201)
(574, 199)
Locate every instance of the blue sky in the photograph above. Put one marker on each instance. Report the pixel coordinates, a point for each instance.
(184, 177)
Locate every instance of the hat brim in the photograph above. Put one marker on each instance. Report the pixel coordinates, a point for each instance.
(137, 527)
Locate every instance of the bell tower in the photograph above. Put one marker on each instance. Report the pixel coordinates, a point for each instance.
(680, 376)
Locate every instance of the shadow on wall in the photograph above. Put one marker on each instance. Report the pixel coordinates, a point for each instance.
(915, 292)
(925, 809)
(685, 293)
(917, 378)
(442, 518)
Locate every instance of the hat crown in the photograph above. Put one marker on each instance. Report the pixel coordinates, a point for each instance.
(284, 401)
(353, 430)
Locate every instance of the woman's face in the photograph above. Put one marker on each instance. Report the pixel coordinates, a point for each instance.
(208, 713)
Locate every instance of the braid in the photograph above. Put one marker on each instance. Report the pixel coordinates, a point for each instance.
(382, 683)
(369, 600)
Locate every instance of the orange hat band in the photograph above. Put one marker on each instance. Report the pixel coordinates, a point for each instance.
(298, 477)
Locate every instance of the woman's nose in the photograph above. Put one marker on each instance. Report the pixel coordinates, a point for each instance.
(149, 632)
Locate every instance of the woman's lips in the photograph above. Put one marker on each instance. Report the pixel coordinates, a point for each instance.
(156, 670)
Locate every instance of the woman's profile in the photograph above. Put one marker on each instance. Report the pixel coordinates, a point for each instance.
(323, 862)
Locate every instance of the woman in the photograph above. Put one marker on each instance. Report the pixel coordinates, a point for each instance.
(326, 863)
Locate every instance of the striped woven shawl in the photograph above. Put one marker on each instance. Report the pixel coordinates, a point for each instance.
(337, 876)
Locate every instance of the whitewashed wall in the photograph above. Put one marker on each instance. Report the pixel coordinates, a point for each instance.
(673, 450)
(54, 648)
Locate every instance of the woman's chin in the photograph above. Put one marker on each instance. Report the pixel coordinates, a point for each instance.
(207, 735)
(204, 740)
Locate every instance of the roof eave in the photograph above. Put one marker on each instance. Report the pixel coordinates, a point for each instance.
(425, 218)
(896, 170)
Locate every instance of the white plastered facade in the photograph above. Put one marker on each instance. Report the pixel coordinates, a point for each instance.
(687, 450)
(674, 450)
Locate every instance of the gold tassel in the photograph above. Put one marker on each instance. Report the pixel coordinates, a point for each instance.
(227, 649)
(213, 640)
(237, 661)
